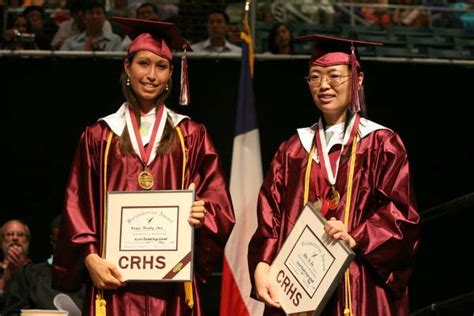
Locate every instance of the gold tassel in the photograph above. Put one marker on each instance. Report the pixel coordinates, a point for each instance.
(188, 290)
(99, 298)
(100, 305)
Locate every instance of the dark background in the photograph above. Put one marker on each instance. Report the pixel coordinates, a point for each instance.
(47, 102)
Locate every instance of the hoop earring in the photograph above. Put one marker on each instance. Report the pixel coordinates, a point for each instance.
(167, 87)
(128, 82)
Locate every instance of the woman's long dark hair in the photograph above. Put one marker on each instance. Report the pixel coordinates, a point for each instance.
(272, 35)
(169, 138)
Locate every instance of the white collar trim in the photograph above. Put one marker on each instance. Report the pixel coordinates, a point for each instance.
(306, 134)
(117, 123)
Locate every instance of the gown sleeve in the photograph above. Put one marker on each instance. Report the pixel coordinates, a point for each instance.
(264, 243)
(211, 187)
(389, 237)
(78, 235)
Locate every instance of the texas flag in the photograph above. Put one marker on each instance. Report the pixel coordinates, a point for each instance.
(245, 181)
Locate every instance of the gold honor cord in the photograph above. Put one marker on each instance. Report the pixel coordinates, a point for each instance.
(347, 285)
(100, 302)
(188, 286)
(347, 277)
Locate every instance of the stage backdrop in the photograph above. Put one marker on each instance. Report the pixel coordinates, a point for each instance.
(47, 102)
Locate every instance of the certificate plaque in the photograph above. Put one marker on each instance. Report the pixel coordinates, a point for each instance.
(309, 266)
(148, 236)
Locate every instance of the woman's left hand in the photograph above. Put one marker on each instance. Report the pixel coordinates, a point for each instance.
(337, 230)
(198, 214)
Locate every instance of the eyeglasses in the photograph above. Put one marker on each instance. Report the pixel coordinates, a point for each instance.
(11, 234)
(334, 80)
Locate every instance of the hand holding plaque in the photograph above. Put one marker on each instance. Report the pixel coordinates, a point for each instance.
(198, 211)
(265, 289)
(148, 236)
(310, 265)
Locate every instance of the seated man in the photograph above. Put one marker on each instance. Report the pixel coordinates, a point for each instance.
(217, 26)
(30, 288)
(15, 238)
(93, 38)
(75, 25)
(146, 11)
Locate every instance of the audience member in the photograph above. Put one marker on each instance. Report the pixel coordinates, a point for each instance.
(467, 18)
(320, 11)
(445, 18)
(19, 37)
(15, 237)
(217, 26)
(375, 15)
(40, 25)
(75, 25)
(93, 38)
(413, 16)
(168, 12)
(148, 11)
(280, 39)
(59, 13)
(30, 288)
(145, 11)
(266, 14)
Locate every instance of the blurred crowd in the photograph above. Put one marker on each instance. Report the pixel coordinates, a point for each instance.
(85, 25)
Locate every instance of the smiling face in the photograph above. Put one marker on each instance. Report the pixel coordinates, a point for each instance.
(149, 75)
(331, 91)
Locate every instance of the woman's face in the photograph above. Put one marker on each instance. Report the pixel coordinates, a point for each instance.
(331, 89)
(21, 24)
(282, 38)
(149, 75)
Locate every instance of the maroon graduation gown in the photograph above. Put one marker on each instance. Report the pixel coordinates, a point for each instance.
(383, 219)
(80, 233)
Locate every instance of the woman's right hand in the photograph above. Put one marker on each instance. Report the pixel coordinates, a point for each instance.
(104, 274)
(265, 291)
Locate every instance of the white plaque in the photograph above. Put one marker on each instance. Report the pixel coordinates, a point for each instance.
(309, 266)
(148, 236)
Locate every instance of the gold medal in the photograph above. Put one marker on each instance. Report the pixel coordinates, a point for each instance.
(334, 199)
(145, 180)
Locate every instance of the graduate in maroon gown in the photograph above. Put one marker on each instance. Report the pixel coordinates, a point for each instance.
(356, 172)
(144, 145)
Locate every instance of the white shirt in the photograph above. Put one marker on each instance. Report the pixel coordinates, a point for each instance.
(69, 28)
(206, 46)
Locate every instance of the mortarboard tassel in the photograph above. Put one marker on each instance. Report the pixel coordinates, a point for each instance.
(355, 82)
(184, 96)
(100, 304)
